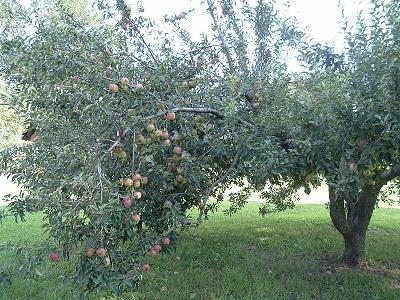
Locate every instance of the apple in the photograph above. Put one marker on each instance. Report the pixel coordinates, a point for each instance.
(141, 139)
(367, 173)
(137, 195)
(165, 134)
(172, 166)
(137, 177)
(214, 60)
(255, 104)
(176, 137)
(179, 170)
(146, 267)
(128, 182)
(207, 49)
(202, 205)
(166, 241)
(55, 256)
(179, 179)
(176, 157)
(177, 150)
(89, 251)
(101, 251)
(352, 166)
(145, 180)
(108, 72)
(150, 128)
(113, 88)
(157, 248)
(257, 95)
(170, 116)
(178, 258)
(127, 201)
(158, 132)
(136, 184)
(124, 81)
(166, 143)
(124, 26)
(153, 252)
(214, 27)
(139, 86)
(185, 83)
(136, 217)
(180, 16)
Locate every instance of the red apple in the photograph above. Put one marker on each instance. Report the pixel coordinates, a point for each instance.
(136, 217)
(89, 251)
(101, 251)
(165, 134)
(128, 182)
(170, 116)
(113, 87)
(128, 201)
(146, 267)
(55, 256)
(157, 248)
(139, 86)
(177, 150)
(137, 177)
(166, 142)
(207, 50)
(166, 241)
(153, 252)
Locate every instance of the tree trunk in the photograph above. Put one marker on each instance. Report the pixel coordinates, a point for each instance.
(354, 248)
(351, 219)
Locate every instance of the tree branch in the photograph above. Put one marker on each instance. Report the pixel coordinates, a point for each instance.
(215, 184)
(391, 174)
(225, 47)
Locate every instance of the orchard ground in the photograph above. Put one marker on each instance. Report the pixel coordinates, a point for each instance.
(289, 255)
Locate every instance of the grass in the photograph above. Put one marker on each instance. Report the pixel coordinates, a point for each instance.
(290, 255)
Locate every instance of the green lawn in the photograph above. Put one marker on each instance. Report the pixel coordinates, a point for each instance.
(290, 255)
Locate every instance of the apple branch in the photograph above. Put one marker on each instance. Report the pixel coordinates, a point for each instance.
(216, 183)
(391, 174)
(221, 37)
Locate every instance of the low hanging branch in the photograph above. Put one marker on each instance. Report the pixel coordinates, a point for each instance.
(216, 183)
(391, 174)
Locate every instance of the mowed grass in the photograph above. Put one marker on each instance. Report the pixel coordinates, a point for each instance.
(289, 255)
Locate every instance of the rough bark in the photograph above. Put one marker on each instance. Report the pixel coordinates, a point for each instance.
(352, 219)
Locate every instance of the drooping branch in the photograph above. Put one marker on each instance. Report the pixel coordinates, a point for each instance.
(221, 37)
(215, 184)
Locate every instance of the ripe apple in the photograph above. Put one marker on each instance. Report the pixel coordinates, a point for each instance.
(55, 256)
(150, 128)
(153, 252)
(177, 150)
(157, 248)
(255, 104)
(214, 27)
(137, 177)
(128, 182)
(137, 195)
(207, 49)
(166, 241)
(170, 116)
(146, 267)
(166, 143)
(145, 180)
(139, 86)
(101, 251)
(124, 81)
(165, 134)
(127, 201)
(136, 217)
(113, 88)
(89, 251)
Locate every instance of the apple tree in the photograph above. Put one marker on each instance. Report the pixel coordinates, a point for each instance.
(133, 122)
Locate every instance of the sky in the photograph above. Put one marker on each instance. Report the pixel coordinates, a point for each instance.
(321, 17)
